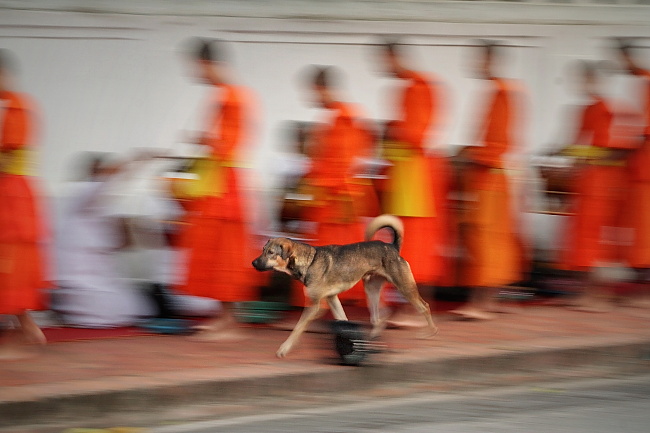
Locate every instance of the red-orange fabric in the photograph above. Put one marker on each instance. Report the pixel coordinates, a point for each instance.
(638, 203)
(419, 107)
(595, 206)
(340, 198)
(489, 229)
(216, 236)
(638, 214)
(497, 127)
(444, 232)
(599, 190)
(22, 277)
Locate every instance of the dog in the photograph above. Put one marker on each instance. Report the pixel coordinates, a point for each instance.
(332, 269)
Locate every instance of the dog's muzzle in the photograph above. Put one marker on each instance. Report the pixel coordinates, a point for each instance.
(258, 265)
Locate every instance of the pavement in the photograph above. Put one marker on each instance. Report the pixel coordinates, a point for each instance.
(580, 406)
(89, 379)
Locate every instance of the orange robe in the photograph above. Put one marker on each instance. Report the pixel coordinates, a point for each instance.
(337, 193)
(489, 233)
(444, 231)
(599, 187)
(366, 197)
(638, 207)
(336, 147)
(416, 185)
(217, 235)
(21, 227)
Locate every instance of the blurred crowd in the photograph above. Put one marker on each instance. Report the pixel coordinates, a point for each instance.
(166, 234)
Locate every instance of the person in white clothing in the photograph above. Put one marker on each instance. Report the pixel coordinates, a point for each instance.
(142, 198)
(91, 291)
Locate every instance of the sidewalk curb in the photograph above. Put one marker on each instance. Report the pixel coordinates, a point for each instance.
(624, 358)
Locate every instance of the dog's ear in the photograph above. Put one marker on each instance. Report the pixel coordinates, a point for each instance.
(287, 250)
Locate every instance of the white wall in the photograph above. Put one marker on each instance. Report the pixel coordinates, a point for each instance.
(113, 80)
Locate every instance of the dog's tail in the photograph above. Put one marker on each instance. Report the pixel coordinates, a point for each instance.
(390, 222)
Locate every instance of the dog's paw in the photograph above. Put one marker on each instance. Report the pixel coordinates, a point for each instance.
(283, 351)
(428, 333)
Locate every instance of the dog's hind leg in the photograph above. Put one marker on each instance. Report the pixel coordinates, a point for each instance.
(308, 314)
(403, 279)
(373, 285)
(337, 309)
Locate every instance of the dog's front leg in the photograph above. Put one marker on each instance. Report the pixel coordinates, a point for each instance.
(308, 314)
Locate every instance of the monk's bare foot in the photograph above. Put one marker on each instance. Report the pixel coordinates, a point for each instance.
(34, 335)
(503, 309)
(405, 320)
(472, 314)
(30, 331)
(12, 352)
(212, 325)
(405, 316)
(427, 333)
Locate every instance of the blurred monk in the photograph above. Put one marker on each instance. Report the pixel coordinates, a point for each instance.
(217, 237)
(410, 193)
(21, 226)
(418, 180)
(337, 145)
(638, 207)
(489, 224)
(599, 188)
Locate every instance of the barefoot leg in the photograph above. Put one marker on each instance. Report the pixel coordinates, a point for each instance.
(220, 329)
(31, 332)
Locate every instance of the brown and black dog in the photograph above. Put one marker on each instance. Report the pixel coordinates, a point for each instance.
(332, 269)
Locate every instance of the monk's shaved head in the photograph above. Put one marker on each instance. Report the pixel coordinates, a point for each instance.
(491, 49)
(625, 46)
(323, 76)
(392, 47)
(209, 50)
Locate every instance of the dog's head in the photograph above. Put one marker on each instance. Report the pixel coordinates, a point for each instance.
(277, 254)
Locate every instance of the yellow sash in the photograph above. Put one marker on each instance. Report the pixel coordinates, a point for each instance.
(18, 161)
(410, 192)
(595, 155)
(209, 180)
(396, 151)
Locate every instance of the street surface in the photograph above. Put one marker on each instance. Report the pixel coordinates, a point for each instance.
(594, 406)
